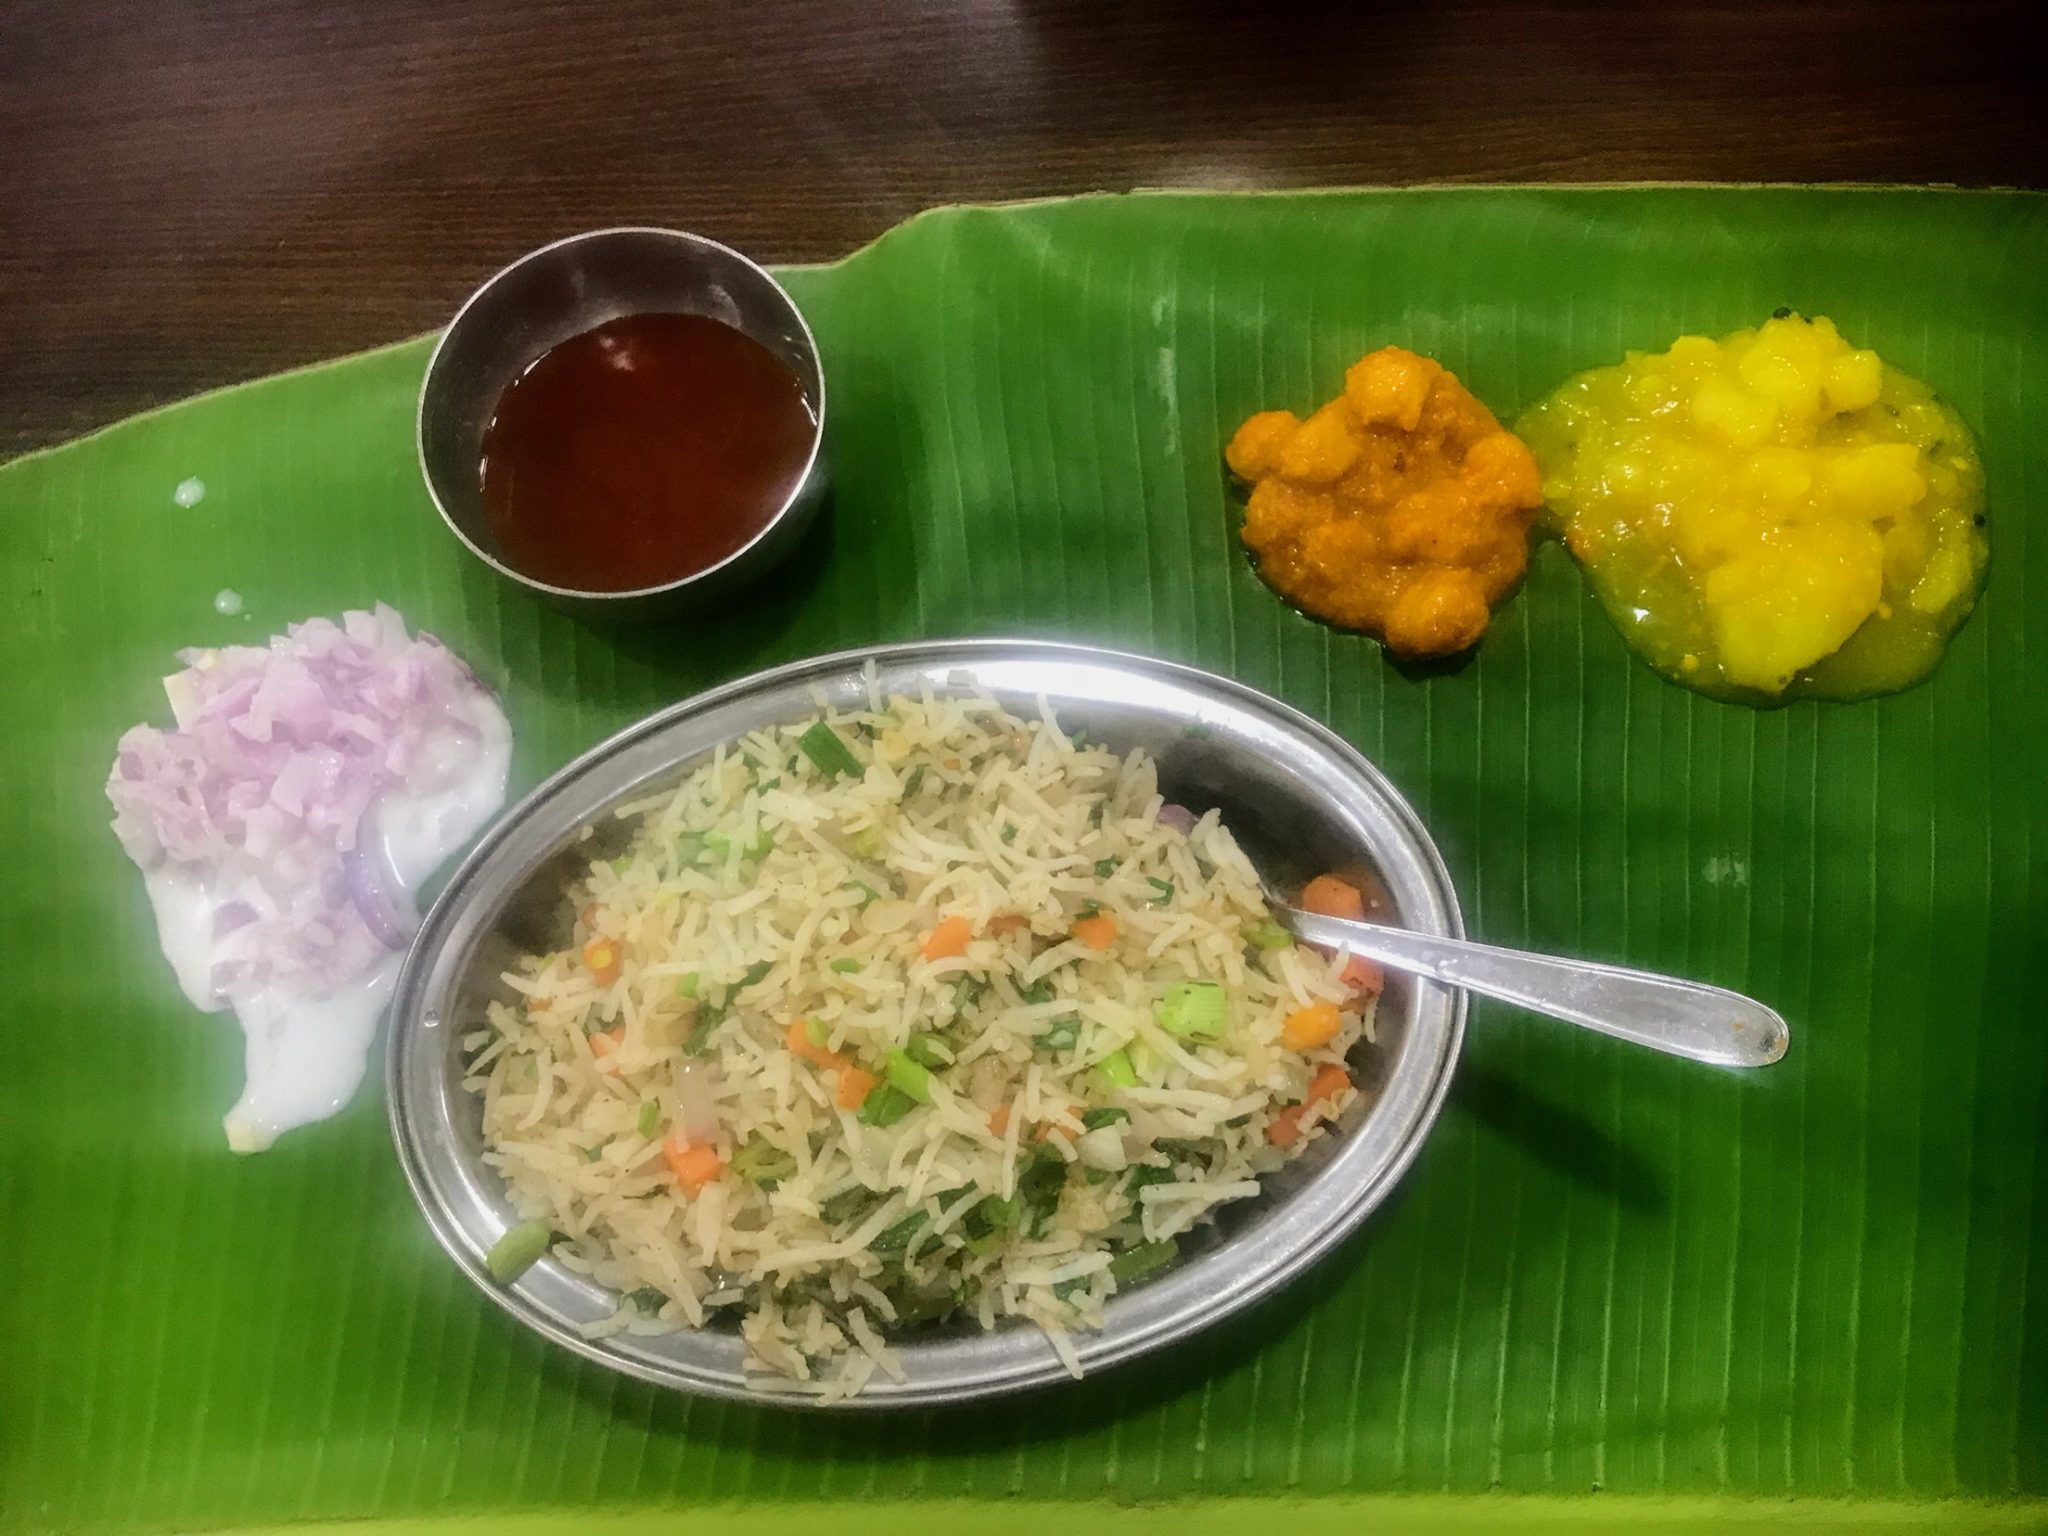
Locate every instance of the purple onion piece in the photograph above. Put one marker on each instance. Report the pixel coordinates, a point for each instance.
(1178, 817)
(230, 915)
(384, 911)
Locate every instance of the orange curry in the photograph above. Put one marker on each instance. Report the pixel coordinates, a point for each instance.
(1401, 507)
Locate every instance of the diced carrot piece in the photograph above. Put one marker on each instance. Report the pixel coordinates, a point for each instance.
(854, 1087)
(1284, 1129)
(1307, 1029)
(948, 939)
(1329, 1081)
(999, 1120)
(601, 956)
(1327, 896)
(1007, 922)
(1097, 932)
(693, 1164)
(1364, 977)
(800, 1044)
(602, 1045)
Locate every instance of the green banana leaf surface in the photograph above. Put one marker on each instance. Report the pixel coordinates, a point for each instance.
(1615, 1288)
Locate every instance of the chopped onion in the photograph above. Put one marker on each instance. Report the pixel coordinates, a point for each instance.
(386, 913)
(1103, 1148)
(1178, 817)
(264, 789)
(696, 1103)
(230, 915)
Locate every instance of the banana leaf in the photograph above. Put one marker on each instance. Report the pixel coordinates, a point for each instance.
(1616, 1290)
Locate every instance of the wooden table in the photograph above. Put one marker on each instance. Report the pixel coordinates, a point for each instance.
(196, 193)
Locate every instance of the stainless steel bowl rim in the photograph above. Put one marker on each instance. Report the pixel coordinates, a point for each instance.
(535, 583)
(1214, 1286)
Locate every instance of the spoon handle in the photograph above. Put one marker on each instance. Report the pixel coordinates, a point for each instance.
(1686, 1018)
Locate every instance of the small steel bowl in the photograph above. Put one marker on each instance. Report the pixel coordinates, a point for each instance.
(563, 290)
(1297, 797)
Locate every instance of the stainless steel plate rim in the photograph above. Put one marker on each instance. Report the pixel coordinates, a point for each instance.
(1294, 1232)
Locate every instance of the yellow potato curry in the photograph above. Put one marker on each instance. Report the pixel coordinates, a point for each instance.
(1401, 507)
(1771, 515)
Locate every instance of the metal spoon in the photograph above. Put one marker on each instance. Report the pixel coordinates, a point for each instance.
(1685, 1018)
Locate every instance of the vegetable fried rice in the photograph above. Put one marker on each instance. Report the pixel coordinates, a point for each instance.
(900, 1013)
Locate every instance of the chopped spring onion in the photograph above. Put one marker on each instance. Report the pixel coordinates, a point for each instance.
(762, 1163)
(1163, 887)
(721, 843)
(968, 991)
(690, 848)
(1064, 1035)
(754, 973)
(930, 1306)
(647, 1299)
(518, 1250)
(845, 1205)
(845, 965)
(929, 1051)
(711, 1013)
(912, 784)
(1096, 1119)
(1104, 868)
(1136, 1263)
(891, 1239)
(986, 1224)
(1269, 936)
(999, 1213)
(909, 1075)
(1038, 1187)
(1117, 1071)
(1040, 991)
(1193, 1010)
(885, 1106)
(821, 744)
(1149, 1173)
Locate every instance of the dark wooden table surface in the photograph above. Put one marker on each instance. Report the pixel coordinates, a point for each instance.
(195, 192)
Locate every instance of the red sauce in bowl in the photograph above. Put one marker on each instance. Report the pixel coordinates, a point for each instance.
(641, 452)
